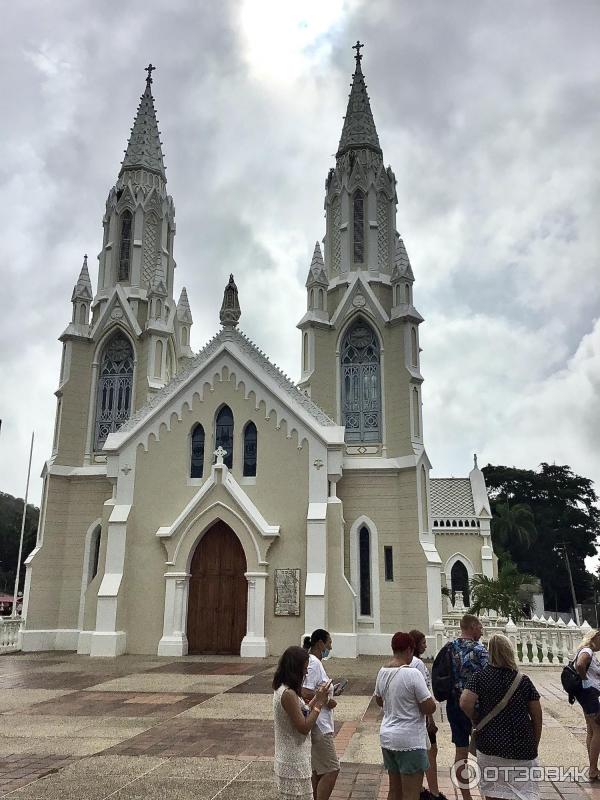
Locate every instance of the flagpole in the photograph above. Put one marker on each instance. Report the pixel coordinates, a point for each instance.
(15, 593)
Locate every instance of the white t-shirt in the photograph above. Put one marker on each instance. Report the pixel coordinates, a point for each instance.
(403, 725)
(417, 663)
(315, 676)
(593, 674)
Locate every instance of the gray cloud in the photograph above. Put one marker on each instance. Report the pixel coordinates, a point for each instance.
(488, 113)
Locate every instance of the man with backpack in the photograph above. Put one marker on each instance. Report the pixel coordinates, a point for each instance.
(453, 666)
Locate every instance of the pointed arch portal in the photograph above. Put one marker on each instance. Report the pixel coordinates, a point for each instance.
(218, 593)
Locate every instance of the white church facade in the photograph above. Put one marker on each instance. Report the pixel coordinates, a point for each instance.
(205, 503)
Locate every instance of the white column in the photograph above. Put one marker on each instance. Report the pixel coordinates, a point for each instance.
(174, 640)
(254, 644)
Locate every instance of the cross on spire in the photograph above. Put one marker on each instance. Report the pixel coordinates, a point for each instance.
(149, 69)
(357, 47)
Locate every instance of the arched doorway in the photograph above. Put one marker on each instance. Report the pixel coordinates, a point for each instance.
(218, 593)
(459, 578)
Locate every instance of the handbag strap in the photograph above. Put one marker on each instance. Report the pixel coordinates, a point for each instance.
(391, 678)
(501, 705)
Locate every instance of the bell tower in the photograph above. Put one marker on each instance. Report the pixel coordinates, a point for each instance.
(360, 344)
(128, 340)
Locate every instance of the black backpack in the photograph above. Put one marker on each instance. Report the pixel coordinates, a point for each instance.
(571, 680)
(442, 678)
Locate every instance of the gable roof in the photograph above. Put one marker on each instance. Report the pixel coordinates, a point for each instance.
(287, 390)
(451, 497)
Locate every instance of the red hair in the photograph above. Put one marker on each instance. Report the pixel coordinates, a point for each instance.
(402, 641)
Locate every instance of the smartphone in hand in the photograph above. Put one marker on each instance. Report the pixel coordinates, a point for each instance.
(338, 688)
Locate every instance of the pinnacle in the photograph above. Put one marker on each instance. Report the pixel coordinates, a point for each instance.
(144, 145)
(359, 127)
(402, 267)
(184, 312)
(83, 287)
(317, 259)
(316, 270)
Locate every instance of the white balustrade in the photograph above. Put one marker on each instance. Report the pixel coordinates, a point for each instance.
(9, 634)
(538, 642)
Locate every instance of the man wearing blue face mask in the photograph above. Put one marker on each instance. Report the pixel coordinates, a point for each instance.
(325, 763)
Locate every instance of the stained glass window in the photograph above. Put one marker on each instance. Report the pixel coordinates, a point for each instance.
(250, 441)
(125, 246)
(361, 390)
(115, 384)
(197, 456)
(224, 434)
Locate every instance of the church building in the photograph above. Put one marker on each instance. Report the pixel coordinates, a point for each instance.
(204, 502)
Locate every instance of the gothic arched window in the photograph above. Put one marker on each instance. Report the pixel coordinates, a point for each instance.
(459, 579)
(95, 553)
(414, 348)
(115, 384)
(364, 571)
(158, 357)
(224, 434)
(416, 413)
(250, 451)
(125, 246)
(361, 390)
(358, 206)
(197, 455)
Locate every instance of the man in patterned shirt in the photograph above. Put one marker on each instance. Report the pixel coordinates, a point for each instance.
(468, 656)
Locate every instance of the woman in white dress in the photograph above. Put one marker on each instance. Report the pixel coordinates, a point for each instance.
(293, 722)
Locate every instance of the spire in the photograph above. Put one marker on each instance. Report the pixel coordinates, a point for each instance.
(359, 126)
(402, 268)
(83, 287)
(316, 272)
(144, 145)
(230, 308)
(184, 313)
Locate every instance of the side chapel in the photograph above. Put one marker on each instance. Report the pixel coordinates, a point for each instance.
(205, 503)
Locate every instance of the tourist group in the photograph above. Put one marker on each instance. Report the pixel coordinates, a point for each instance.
(494, 712)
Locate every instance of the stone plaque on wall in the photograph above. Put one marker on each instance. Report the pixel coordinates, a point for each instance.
(287, 592)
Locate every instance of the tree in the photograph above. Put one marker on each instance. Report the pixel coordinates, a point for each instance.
(512, 524)
(500, 594)
(565, 513)
(11, 514)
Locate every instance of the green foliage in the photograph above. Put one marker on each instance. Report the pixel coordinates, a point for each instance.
(11, 514)
(564, 509)
(500, 594)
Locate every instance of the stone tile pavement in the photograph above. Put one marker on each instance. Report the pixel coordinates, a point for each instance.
(201, 727)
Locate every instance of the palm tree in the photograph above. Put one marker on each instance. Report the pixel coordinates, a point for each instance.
(512, 524)
(500, 594)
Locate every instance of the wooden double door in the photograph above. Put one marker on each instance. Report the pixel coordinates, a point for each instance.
(218, 593)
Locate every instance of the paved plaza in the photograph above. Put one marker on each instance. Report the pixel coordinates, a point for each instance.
(72, 727)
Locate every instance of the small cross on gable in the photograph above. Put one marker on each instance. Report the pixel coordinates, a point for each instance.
(220, 453)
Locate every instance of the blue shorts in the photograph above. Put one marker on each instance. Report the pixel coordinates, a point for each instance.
(588, 700)
(460, 724)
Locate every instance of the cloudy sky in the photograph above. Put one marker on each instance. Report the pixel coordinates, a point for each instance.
(488, 112)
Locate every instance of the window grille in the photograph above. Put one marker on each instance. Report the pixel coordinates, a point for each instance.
(115, 384)
(361, 390)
